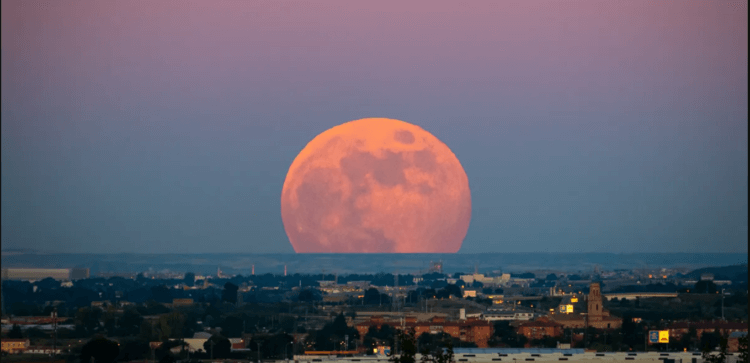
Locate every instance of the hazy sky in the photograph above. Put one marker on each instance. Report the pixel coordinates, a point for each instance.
(156, 126)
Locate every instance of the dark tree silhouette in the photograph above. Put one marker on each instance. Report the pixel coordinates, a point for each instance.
(407, 348)
(705, 287)
(374, 297)
(307, 295)
(161, 294)
(15, 332)
(101, 349)
(230, 293)
(720, 357)
(219, 345)
(189, 279)
(133, 349)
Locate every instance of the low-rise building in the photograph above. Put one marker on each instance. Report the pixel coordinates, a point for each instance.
(14, 346)
(507, 315)
(677, 330)
(733, 343)
(182, 302)
(35, 349)
(36, 274)
(540, 328)
(470, 330)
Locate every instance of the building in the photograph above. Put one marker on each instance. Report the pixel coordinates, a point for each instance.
(79, 273)
(677, 330)
(540, 328)
(596, 315)
(486, 280)
(34, 349)
(639, 295)
(35, 274)
(470, 330)
(33, 320)
(507, 315)
(182, 302)
(733, 343)
(470, 293)
(14, 346)
(237, 343)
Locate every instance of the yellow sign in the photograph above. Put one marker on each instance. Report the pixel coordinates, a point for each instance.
(663, 336)
(568, 309)
(574, 299)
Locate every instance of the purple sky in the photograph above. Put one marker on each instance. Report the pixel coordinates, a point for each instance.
(139, 126)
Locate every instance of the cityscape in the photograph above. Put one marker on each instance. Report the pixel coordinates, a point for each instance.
(278, 181)
(308, 317)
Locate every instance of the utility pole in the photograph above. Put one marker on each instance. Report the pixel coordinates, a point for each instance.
(722, 304)
(258, 351)
(54, 336)
(212, 349)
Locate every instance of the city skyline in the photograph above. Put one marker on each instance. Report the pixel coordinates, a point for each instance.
(582, 126)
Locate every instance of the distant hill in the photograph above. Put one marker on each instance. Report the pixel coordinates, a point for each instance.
(242, 263)
(736, 273)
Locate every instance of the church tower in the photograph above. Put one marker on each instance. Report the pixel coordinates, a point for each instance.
(595, 305)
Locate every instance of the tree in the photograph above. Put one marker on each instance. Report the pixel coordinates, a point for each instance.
(164, 351)
(15, 332)
(230, 293)
(232, 326)
(133, 349)
(408, 348)
(454, 290)
(743, 349)
(130, 322)
(705, 287)
(161, 294)
(217, 346)
(551, 277)
(101, 349)
(435, 348)
(710, 340)
(33, 333)
(720, 357)
(504, 335)
(170, 326)
(89, 318)
(307, 295)
(189, 279)
(374, 297)
(374, 335)
(688, 339)
(271, 346)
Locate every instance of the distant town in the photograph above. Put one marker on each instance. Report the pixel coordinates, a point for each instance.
(181, 316)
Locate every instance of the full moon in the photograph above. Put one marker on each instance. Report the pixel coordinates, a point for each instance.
(376, 185)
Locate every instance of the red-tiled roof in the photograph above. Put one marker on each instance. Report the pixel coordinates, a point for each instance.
(709, 325)
(539, 323)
